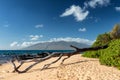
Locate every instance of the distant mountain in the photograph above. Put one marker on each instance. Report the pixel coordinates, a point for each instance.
(60, 45)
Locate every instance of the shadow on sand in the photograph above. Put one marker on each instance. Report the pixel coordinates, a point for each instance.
(61, 65)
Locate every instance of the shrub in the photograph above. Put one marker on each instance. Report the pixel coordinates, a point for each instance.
(109, 56)
(92, 54)
(101, 40)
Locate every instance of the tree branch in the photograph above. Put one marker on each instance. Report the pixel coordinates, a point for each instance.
(54, 54)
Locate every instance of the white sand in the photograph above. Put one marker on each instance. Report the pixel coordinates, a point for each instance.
(75, 68)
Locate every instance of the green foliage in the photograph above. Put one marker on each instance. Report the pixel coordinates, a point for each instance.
(102, 39)
(92, 54)
(109, 56)
(115, 33)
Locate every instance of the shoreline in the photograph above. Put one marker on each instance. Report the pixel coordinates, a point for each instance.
(3, 62)
(74, 68)
(6, 55)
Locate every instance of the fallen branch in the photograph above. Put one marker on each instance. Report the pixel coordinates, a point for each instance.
(50, 55)
(29, 67)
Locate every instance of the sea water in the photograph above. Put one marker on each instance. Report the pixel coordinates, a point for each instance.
(6, 55)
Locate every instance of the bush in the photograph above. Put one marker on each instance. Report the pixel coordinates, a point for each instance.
(109, 56)
(101, 40)
(92, 54)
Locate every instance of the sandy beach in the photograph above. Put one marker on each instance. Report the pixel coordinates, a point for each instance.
(75, 68)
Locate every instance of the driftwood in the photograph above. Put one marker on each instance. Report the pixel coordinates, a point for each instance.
(37, 59)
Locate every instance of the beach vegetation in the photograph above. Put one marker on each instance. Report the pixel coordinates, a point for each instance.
(111, 55)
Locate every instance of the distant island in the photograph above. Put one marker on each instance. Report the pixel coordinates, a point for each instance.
(58, 45)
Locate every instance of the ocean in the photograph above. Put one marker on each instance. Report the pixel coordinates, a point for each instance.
(6, 55)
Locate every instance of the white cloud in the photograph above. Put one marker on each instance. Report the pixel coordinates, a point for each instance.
(18, 45)
(26, 44)
(94, 3)
(79, 13)
(35, 37)
(117, 8)
(39, 26)
(15, 43)
(82, 29)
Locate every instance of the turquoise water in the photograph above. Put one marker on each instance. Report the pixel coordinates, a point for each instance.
(6, 55)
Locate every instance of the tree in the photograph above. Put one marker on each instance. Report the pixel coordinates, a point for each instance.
(102, 39)
(115, 33)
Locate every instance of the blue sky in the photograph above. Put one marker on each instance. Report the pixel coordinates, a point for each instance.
(26, 22)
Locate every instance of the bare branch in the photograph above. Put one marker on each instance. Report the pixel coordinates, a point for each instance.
(47, 65)
(29, 67)
(38, 59)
